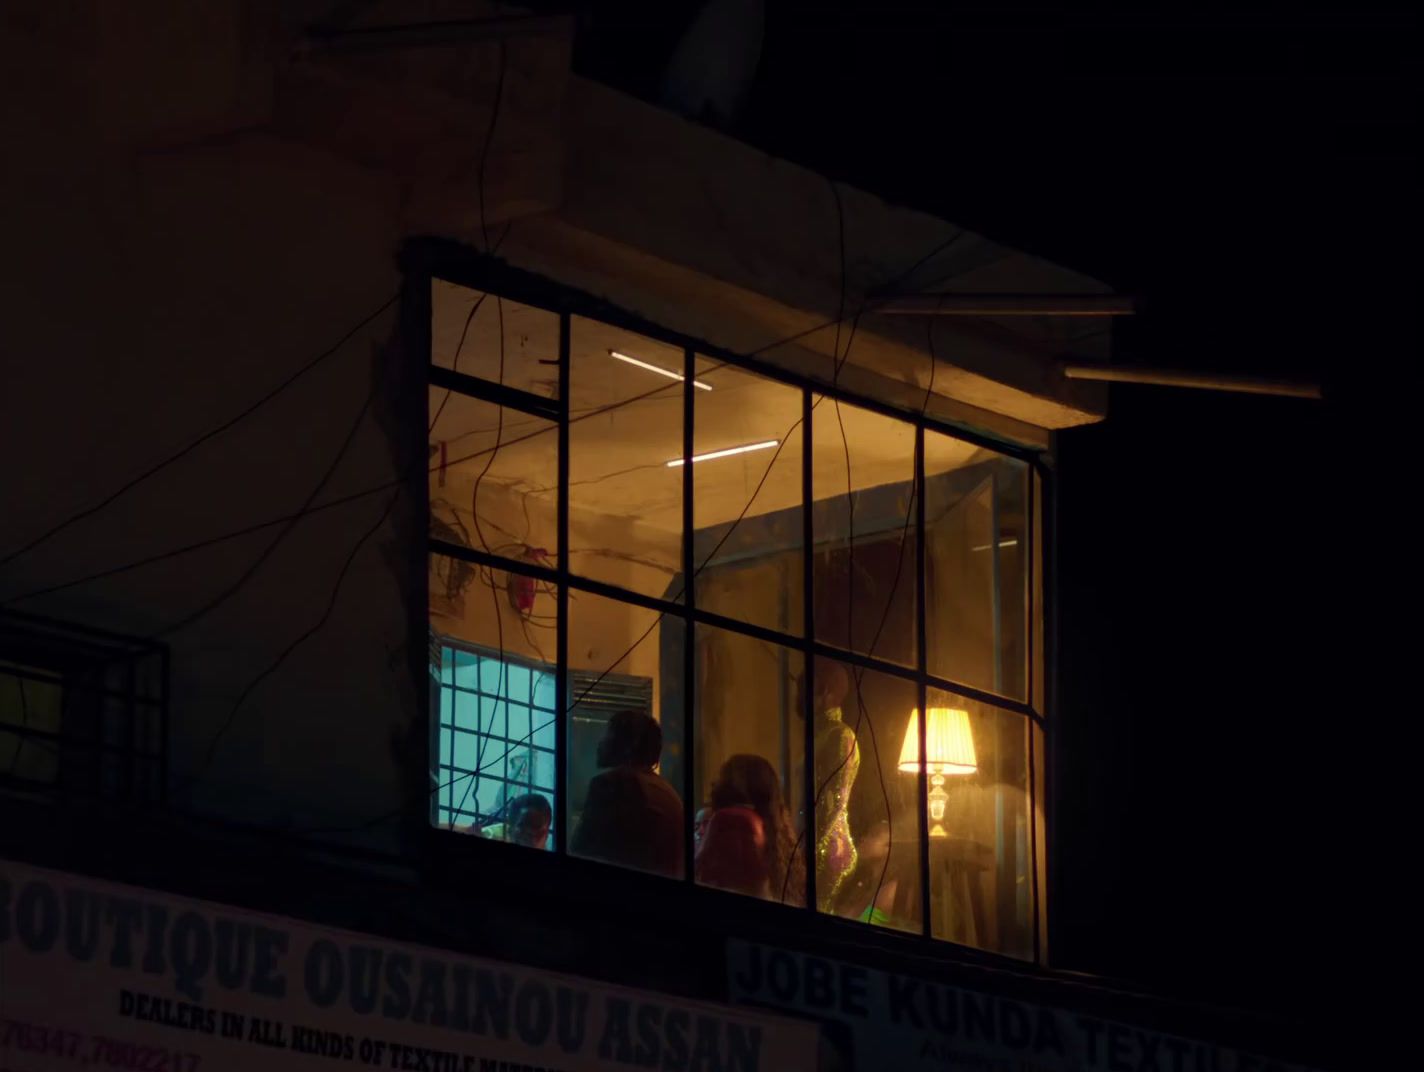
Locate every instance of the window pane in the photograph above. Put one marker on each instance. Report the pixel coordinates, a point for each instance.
(503, 341)
(747, 505)
(494, 610)
(981, 859)
(625, 500)
(625, 735)
(976, 517)
(864, 526)
(30, 703)
(493, 479)
(494, 744)
(492, 710)
(750, 750)
(866, 846)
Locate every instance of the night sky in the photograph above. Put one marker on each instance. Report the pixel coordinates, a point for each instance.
(1227, 561)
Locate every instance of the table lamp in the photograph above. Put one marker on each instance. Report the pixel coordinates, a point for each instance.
(950, 745)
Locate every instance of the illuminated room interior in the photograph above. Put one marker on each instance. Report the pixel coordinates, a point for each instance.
(625, 519)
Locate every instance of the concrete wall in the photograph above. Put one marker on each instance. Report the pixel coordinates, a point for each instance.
(151, 293)
(191, 212)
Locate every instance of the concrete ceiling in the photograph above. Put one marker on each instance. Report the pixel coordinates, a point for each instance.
(628, 423)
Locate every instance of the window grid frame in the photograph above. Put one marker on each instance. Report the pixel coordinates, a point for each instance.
(464, 268)
(122, 681)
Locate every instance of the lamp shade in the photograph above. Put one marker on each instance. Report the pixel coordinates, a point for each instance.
(947, 738)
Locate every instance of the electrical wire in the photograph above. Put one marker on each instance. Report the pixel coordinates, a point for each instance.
(455, 362)
(841, 361)
(484, 228)
(862, 712)
(248, 529)
(489, 140)
(884, 618)
(247, 574)
(286, 652)
(839, 365)
(387, 816)
(296, 375)
(281, 535)
(153, 470)
(386, 485)
(459, 346)
(503, 681)
(352, 497)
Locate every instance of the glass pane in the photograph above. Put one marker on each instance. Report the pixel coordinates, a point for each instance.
(867, 825)
(625, 440)
(750, 750)
(977, 551)
(981, 850)
(493, 610)
(747, 497)
(494, 725)
(864, 525)
(493, 338)
(31, 700)
(625, 735)
(493, 479)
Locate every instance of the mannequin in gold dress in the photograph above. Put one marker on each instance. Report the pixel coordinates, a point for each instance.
(837, 762)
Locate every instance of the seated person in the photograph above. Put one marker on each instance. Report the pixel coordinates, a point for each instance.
(632, 816)
(748, 841)
(527, 820)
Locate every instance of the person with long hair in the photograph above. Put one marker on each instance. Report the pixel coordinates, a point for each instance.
(749, 841)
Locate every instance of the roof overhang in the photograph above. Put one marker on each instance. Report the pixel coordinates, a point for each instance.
(495, 140)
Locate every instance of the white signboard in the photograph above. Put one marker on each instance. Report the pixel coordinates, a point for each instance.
(96, 975)
(877, 1020)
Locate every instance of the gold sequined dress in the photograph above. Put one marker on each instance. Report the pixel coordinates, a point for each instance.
(837, 764)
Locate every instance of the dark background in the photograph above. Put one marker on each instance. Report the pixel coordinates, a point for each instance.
(1232, 566)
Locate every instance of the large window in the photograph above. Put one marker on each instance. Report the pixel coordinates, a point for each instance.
(734, 629)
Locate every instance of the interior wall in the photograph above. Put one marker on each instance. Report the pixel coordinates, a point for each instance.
(745, 688)
(601, 631)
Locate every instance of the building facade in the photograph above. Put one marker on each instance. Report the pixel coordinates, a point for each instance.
(396, 419)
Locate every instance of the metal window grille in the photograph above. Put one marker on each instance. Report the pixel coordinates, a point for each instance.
(83, 712)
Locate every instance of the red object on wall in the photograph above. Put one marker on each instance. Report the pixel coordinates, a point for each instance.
(523, 589)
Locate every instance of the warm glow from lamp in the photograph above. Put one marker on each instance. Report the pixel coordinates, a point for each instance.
(950, 744)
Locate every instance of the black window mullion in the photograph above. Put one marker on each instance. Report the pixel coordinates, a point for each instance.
(922, 781)
(561, 623)
(1031, 573)
(492, 561)
(498, 394)
(808, 656)
(689, 650)
(1048, 703)
(1039, 644)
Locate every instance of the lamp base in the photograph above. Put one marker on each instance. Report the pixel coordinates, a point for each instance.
(938, 801)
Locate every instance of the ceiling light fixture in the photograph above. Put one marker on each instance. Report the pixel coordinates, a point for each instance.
(669, 373)
(745, 449)
(1010, 542)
